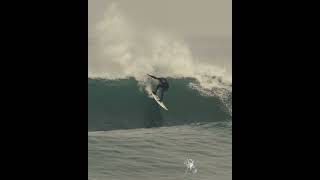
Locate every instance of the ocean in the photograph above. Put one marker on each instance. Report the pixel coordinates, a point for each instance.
(131, 137)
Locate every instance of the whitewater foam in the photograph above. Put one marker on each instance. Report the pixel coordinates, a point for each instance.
(120, 50)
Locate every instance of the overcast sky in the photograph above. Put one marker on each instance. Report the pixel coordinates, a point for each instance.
(186, 17)
(206, 25)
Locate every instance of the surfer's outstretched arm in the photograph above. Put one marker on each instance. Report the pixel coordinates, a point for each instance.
(152, 76)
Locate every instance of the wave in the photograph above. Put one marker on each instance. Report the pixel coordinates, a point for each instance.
(119, 49)
(125, 104)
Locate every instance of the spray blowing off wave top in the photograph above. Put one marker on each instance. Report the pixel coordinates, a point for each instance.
(119, 49)
(120, 104)
(121, 54)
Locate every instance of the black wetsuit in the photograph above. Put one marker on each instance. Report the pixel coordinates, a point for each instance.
(163, 85)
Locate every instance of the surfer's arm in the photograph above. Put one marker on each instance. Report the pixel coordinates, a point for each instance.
(152, 76)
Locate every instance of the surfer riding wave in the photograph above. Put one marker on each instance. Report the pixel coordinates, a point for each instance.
(163, 85)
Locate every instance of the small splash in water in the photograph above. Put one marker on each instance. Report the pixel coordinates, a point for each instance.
(191, 168)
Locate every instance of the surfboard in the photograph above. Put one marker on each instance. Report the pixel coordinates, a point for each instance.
(158, 101)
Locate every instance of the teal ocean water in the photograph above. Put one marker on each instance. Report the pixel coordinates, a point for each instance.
(131, 137)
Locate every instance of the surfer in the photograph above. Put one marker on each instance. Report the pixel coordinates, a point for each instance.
(163, 85)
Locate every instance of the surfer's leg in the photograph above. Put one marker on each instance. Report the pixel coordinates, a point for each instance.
(155, 92)
(163, 89)
(161, 94)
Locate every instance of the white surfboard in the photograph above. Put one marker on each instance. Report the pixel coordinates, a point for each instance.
(158, 101)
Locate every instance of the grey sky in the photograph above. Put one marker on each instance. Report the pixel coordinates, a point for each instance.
(205, 25)
(186, 17)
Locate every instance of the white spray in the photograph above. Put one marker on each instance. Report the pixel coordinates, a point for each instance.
(118, 49)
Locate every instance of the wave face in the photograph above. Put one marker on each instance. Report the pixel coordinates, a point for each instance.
(124, 104)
